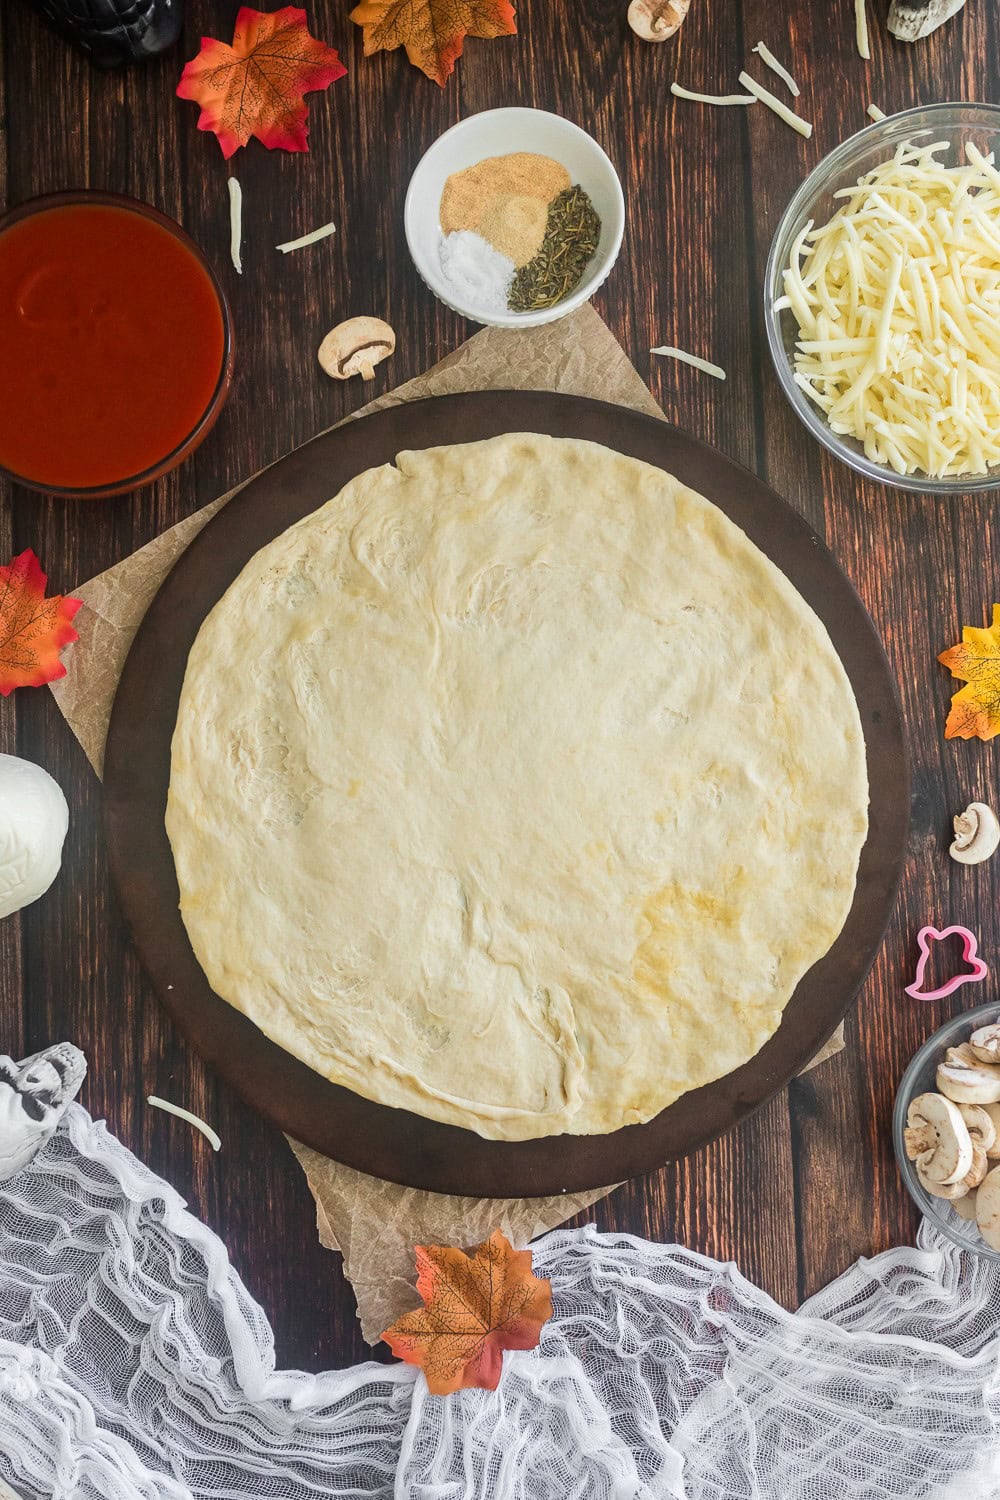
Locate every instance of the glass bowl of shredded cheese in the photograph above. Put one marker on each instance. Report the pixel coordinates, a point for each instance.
(882, 300)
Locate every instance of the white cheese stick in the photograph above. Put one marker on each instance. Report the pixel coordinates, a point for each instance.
(307, 239)
(214, 1140)
(773, 102)
(671, 352)
(236, 224)
(682, 93)
(768, 58)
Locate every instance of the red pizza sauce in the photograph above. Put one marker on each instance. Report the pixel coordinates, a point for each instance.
(111, 345)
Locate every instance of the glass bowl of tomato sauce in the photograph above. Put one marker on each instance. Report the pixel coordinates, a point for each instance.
(116, 344)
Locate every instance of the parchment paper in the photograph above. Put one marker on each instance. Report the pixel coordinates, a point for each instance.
(375, 1224)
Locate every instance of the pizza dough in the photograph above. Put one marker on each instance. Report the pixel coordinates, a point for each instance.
(515, 787)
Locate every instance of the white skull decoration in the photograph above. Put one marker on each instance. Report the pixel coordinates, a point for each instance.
(33, 1098)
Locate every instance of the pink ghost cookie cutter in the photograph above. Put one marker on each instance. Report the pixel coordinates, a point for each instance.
(977, 971)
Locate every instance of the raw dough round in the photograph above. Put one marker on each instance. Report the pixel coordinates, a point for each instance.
(515, 787)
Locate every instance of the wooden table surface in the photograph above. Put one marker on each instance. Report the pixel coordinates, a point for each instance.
(809, 1184)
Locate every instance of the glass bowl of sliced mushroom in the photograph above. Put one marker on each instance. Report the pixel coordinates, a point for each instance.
(946, 1130)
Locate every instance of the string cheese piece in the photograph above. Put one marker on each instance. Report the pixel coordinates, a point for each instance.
(773, 102)
(690, 359)
(214, 1140)
(876, 114)
(768, 58)
(861, 29)
(897, 300)
(235, 223)
(307, 239)
(682, 93)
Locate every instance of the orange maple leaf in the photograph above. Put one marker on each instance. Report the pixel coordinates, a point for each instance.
(255, 87)
(33, 629)
(975, 709)
(432, 31)
(475, 1307)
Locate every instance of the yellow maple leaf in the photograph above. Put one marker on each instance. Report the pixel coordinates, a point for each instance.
(975, 709)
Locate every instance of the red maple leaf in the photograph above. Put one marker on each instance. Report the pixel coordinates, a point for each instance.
(475, 1307)
(432, 31)
(255, 87)
(33, 629)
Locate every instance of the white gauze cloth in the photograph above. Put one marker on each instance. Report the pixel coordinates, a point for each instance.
(134, 1363)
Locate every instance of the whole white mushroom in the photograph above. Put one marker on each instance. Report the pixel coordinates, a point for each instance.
(33, 823)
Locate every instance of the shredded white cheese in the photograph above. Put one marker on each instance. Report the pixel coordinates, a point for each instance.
(773, 102)
(235, 223)
(861, 29)
(690, 359)
(214, 1140)
(681, 93)
(768, 58)
(307, 239)
(874, 113)
(897, 299)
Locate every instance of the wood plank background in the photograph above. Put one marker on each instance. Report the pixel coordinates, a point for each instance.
(809, 1184)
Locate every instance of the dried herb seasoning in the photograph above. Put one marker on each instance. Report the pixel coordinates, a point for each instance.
(572, 232)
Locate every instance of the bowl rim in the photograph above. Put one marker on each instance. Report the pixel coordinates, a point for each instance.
(967, 1020)
(68, 198)
(809, 188)
(590, 284)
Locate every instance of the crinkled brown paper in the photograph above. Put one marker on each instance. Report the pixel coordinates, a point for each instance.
(375, 1224)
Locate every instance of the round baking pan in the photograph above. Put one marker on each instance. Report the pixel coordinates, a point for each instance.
(393, 1143)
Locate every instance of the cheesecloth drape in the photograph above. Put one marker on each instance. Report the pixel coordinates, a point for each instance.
(134, 1363)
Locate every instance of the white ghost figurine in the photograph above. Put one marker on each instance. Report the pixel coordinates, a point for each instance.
(912, 19)
(33, 1099)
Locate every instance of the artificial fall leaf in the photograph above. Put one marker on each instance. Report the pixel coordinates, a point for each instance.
(432, 31)
(33, 629)
(975, 709)
(255, 87)
(475, 1307)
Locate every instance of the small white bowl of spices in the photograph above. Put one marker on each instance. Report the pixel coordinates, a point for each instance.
(514, 217)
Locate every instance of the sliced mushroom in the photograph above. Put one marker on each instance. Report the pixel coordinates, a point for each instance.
(993, 1110)
(980, 1125)
(985, 1044)
(951, 1190)
(356, 347)
(967, 1184)
(965, 1206)
(937, 1139)
(656, 20)
(988, 1208)
(977, 834)
(978, 1170)
(966, 1080)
